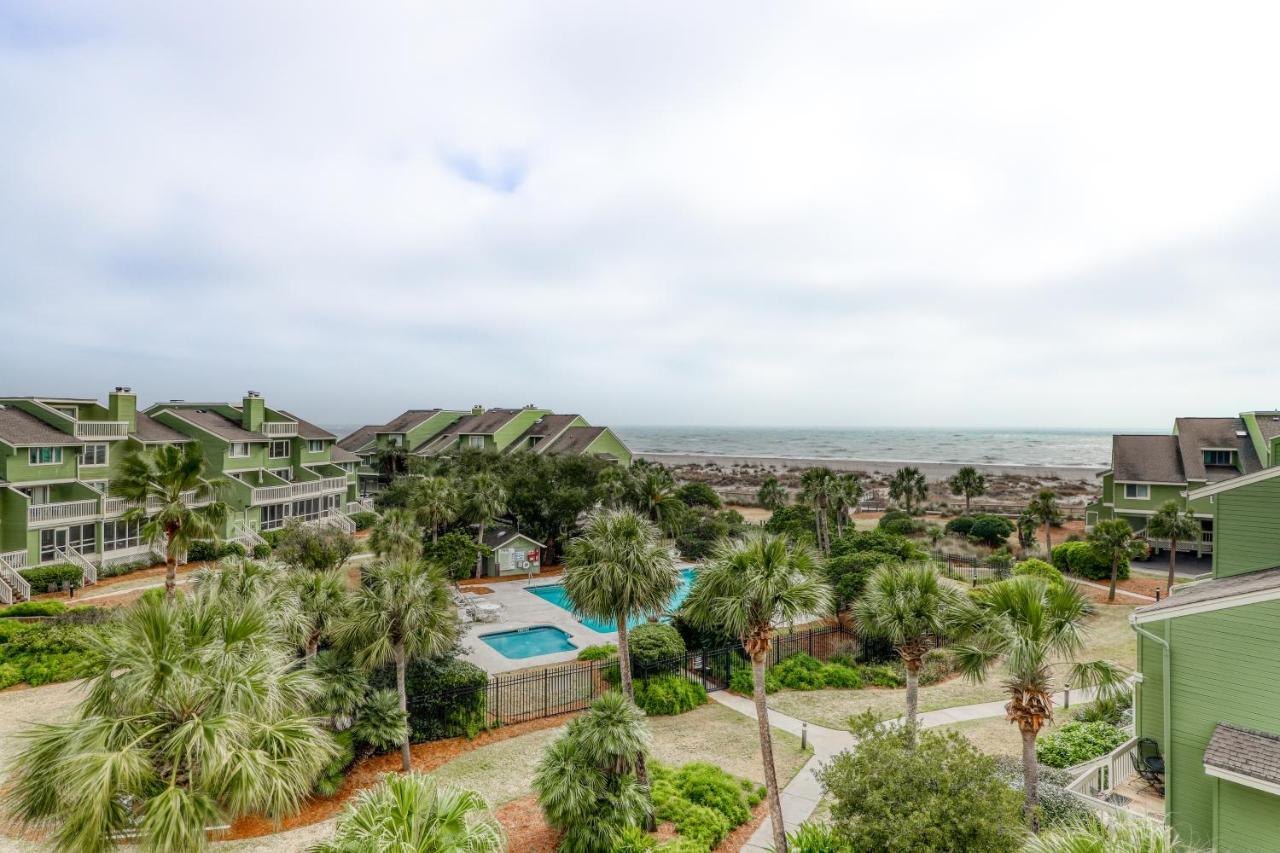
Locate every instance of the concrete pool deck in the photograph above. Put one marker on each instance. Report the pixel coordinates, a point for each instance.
(523, 609)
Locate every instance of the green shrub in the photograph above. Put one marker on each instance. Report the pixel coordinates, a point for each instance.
(797, 521)
(43, 577)
(668, 695)
(990, 530)
(799, 672)
(455, 552)
(1077, 742)
(740, 681)
(600, 652)
(126, 567)
(702, 801)
(335, 771)
(960, 526)
(841, 677)
(203, 550)
(1041, 569)
(899, 523)
(699, 494)
(815, 838)
(232, 549)
(652, 643)
(1079, 559)
(33, 608)
(936, 665)
(1115, 711)
(262, 551)
(364, 520)
(1058, 806)
(880, 675)
(446, 698)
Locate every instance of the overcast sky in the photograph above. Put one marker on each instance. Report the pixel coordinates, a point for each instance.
(931, 214)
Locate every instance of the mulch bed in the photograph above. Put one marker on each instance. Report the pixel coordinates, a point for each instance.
(425, 757)
(1099, 596)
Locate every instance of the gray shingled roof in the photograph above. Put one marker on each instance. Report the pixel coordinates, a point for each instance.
(1196, 434)
(358, 439)
(575, 440)
(218, 424)
(306, 429)
(151, 431)
(1268, 424)
(22, 430)
(341, 454)
(486, 423)
(408, 420)
(1245, 751)
(1212, 590)
(1146, 458)
(496, 536)
(548, 426)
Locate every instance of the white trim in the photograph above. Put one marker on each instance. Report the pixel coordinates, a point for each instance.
(1145, 487)
(1227, 485)
(1240, 779)
(1224, 603)
(1148, 483)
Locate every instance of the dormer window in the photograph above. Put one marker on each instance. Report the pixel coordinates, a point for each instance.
(1220, 457)
(476, 441)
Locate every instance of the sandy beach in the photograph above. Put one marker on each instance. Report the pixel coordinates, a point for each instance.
(932, 470)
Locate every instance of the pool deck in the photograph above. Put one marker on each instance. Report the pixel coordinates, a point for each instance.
(525, 610)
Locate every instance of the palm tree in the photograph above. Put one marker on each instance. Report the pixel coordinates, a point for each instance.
(400, 612)
(320, 599)
(908, 606)
(486, 499)
(196, 714)
(968, 482)
(657, 499)
(1031, 626)
(396, 535)
(414, 812)
(1044, 509)
(1026, 526)
(1113, 540)
(771, 495)
(817, 487)
(435, 503)
(845, 494)
(390, 462)
(1169, 522)
(748, 589)
(163, 477)
(618, 569)
(612, 486)
(908, 487)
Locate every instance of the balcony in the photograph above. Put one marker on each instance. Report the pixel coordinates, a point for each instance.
(280, 429)
(112, 507)
(64, 512)
(102, 429)
(270, 494)
(1111, 785)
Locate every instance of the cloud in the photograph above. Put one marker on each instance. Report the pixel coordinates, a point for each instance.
(842, 214)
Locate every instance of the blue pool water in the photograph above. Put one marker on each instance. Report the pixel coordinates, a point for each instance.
(555, 594)
(529, 642)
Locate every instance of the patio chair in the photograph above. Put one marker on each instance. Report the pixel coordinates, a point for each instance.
(1148, 763)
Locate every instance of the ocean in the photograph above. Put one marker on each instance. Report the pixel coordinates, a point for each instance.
(1066, 447)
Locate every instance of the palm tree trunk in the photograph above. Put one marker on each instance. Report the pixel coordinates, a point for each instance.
(913, 693)
(766, 752)
(435, 531)
(1115, 570)
(1173, 560)
(405, 758)
(479, 555)
(313, 644)
(966, 503)
(628, 690)
(170, 571)
(1030, 779)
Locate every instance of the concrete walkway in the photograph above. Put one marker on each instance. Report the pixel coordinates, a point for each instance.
(801, 795)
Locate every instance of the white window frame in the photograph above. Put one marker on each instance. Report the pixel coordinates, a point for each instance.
(274, 523)
(72, 412)
(315, 445)
(1231, 457)
(276, 443)
(33, 455)
(95, 448)
(1141, 492)
(285, 474)
(121, 535)
(231, 450)
(476, 442)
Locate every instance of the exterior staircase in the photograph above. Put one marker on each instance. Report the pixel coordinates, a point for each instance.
(13, 586)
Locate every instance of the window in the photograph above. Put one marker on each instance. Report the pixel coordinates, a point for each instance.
(39, 494)
(279, 449)
(1137, 491)
(1219, 457)
(285, 474)
(82, 538)
(394, 440)
(94, 454)
(308, 510)
(79, 538)
(315, 445)
(97, 485)
(238, 449)
(70, 411)
(476, 441)
(44, 455)
(273, 516)
(51, 541)
(119, 535)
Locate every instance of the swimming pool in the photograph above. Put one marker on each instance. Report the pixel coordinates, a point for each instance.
(555, 594)
(529, 642)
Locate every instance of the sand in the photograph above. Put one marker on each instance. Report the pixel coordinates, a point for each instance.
(931, 470)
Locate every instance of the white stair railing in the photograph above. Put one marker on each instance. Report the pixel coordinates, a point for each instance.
(88, 571)
(342, 521)
(12, 584)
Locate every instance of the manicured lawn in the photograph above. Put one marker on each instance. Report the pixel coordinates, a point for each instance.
(997, 736)
(1109, 638)
(504, 771)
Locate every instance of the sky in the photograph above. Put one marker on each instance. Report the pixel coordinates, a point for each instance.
(845, 214)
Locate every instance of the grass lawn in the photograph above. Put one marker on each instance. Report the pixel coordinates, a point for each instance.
(997, 736)
(1109, 638)
(713, 733)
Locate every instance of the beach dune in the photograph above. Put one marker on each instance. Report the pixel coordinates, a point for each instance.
(932, 470)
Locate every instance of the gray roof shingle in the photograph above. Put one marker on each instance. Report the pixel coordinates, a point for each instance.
(22, 430)
(1268, 424)
(548, 426)
(341, 454)
(408, 420)
(496, 536)
(1197, 434)
(575, 440)
(357, 440)
(1146, 458)
(1247, 752)
(306, 429)
(1212, 590)
(218, 424)
(151, 431)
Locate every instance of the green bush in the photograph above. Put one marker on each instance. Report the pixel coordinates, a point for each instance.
(205, 550)
(936, 665)
(815, 838)
(1116, 711)
(42, 577)
(740, 681)
(699, 494)
(1079, 559)
(335, 771)
(880, 675)
(455, 552)
(652, 643)
(600, 652)
(1058, 806)
(960, 526)
(668, 695)
(796, 521)
(364, 520)
(446, 698)
(1041, 569)
(262, 551)
(125, 567)
(799, 672)
(232, 549)
(841, 677)
(703, 802)
(33, 608)
(990, 530)
(899, 523)
(1077, 742)
(42, 653)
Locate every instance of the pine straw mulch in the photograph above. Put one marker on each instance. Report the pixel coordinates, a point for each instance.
(528, 832)
(1099, 596)
(425, 757)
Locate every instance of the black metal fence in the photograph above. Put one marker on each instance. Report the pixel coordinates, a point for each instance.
(555, 690)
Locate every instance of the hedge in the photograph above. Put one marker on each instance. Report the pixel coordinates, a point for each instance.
(205, 549)
(1076, 742)
(42, 577)
(652, 643)
(1041, 569)
(1079, 559)
(33, 608)
(364, 520)
(668, 695)
(446, 697)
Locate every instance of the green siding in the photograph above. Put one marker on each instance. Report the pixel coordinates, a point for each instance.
(431, 427)
(513, 428)
(1149, 717)
(1246, 529)
(609, 443)
(1247, 819)
(1159, 494)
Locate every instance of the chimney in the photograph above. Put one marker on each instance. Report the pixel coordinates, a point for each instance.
(252, 411)
(477, 410)
(122, 405)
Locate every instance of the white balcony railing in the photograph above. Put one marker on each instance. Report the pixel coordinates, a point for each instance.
(12, 584)
(271, 494)
(1203, 546)
(15, 559)
(279, 429)
(102, 429)
(112, 507)
(319, 487)
(66, 511)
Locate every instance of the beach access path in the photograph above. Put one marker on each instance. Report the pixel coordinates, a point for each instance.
(931, 470)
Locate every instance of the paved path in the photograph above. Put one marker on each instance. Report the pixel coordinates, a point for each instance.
(801, 795)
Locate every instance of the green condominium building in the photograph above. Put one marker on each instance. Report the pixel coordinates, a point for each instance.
(58, 455)
(437, 432)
